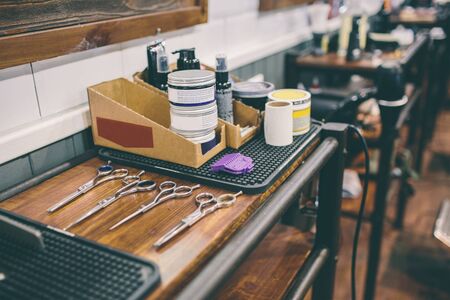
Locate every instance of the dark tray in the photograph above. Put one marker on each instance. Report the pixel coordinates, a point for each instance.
(70, 267)
(270, 164)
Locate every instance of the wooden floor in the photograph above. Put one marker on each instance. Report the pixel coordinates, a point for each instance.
(414, 265)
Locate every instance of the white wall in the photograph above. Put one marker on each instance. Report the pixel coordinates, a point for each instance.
(46, 101)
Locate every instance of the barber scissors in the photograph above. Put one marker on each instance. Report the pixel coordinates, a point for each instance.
(133, 184)
(104, 173)
(207, 204)
(168, 190)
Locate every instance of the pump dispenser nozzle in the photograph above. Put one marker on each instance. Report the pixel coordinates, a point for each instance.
(187, 60)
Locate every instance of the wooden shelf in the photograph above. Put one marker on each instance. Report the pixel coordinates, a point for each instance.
(271, 268)
(31, 31)
(268, 5)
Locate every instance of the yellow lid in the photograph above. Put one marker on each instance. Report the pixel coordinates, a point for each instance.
(289, 95)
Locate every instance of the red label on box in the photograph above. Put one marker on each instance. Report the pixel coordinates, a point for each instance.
(125, 134)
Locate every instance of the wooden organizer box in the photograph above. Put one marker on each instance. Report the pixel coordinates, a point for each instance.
(128, 117)
(244, 115)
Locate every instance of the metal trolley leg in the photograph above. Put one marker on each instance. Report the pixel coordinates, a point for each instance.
(328, 217)
(391, 91)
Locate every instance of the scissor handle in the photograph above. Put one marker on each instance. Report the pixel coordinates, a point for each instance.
(145, 185)
(116, 174)
(167, 185)
(204, 198)
(104, 170)
(226, 200)
(133, 178)
(135, 187)
(184, 190)
(119, 173)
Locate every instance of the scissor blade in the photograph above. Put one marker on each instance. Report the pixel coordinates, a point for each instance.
(96, 209)
(65, 201)
(171, 234)
(126, 219)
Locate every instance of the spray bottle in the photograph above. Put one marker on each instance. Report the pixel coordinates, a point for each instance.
(163, 71)
(223, 89)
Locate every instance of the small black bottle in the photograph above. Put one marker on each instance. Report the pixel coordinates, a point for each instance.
(354, 51)
(153, 49)
(224, 95)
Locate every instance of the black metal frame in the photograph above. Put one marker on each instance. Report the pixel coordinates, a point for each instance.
(393, 117)
(437, 63)
(319, 269)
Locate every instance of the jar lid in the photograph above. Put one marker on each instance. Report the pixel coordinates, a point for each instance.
(247, 89)
(289, 95)
(194, 78)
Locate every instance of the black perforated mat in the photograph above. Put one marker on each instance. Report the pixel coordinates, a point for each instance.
(70, 268)
(270, 163)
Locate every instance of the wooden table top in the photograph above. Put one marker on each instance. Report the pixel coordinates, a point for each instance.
(180, 258)
(415, 17)
(366, 65)
(334, 61)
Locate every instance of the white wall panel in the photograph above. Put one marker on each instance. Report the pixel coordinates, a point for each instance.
(235, 27)
(240, 32)
(208, 39)
(61, 82)
(225, 8)
(18, 103)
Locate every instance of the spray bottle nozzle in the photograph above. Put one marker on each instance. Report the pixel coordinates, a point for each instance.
(221, 63)
(156, 45)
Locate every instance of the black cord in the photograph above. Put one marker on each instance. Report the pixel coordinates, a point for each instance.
(361, 208)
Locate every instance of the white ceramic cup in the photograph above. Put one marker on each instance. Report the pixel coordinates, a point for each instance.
(278, 123)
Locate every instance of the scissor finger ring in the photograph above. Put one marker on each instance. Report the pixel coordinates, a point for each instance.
(204, 198)
(167, 185)
(104, 170)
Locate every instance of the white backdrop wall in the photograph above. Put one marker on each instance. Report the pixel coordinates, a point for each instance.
(46, 101)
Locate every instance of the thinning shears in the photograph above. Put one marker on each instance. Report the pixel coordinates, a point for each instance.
(133, 184)
(207, 204)
(104, 173)
(168, 190)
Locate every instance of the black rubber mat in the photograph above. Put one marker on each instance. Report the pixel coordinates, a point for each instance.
(70, 267)
(270, 163)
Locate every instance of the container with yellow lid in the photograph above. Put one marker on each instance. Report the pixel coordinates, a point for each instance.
(301, 105)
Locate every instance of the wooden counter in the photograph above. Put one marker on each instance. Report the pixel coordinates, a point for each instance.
(180, 258)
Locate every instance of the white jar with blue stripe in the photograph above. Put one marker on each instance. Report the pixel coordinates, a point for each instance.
(193, 108)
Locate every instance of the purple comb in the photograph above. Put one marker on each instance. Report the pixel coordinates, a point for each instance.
(234, 163)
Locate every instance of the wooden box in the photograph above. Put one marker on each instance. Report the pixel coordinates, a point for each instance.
(128, 117)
